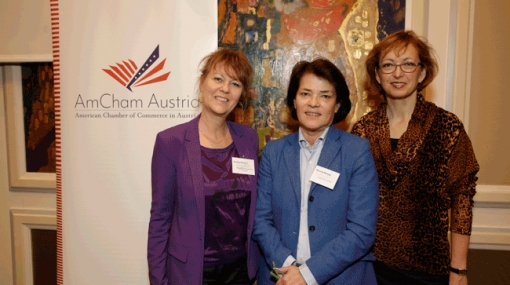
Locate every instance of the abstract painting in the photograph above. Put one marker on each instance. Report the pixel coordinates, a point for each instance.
(39, 116)
(276, 34)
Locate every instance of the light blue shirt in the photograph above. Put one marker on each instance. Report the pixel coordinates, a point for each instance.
(308, 158)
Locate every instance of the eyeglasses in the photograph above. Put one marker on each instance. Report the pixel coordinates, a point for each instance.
(407, 67)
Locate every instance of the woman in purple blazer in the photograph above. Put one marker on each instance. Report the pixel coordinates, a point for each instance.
(204, 178)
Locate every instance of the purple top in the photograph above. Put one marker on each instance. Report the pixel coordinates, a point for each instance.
(227, 205)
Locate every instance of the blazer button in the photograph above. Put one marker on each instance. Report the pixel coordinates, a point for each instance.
(310, 199)
(312, 228)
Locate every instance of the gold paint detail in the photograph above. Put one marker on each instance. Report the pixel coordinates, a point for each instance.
(358, 32)
(268, 35)
(331, 45)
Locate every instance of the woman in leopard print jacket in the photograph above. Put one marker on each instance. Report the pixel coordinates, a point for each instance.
(426, 166)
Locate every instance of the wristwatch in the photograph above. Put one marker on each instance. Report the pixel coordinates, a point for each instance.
(461, 272)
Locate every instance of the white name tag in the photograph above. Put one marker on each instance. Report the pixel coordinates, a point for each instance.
(243, 166)
(324, 177)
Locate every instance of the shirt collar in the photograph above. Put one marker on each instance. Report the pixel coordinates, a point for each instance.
(304, 144)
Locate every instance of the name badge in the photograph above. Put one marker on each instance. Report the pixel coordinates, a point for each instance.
(243, 166)
(324, 177)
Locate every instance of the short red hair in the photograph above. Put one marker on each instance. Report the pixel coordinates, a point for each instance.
(398, 42)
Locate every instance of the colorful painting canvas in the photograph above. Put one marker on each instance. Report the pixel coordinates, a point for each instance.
(276, 34)
(39, 116)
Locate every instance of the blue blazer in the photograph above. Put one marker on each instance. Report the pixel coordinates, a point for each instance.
(344, 219)
(177, 223)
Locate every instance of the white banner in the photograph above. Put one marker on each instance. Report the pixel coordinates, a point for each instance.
(128, 71)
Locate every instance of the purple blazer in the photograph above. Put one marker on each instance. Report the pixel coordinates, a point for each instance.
(175, 250)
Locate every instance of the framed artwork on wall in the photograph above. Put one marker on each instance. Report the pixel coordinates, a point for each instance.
(39, 116)
(28, 91)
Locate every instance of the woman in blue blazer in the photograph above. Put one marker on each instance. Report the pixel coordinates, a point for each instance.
(317, 189)
(204, 176)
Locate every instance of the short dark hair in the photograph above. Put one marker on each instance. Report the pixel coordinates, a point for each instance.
(399, 41)
(236, 64)
(324, 69)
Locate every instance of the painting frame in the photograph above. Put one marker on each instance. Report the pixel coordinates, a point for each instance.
(22, 222)
(19, 178)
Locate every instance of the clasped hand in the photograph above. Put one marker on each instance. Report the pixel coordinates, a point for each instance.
(292, 276)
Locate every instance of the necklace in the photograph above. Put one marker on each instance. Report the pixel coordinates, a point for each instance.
(211, 140)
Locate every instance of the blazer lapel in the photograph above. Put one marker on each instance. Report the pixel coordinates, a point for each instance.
(195, 163)
(239, 142)
(245, 150)
(330, 150)
(291, 156)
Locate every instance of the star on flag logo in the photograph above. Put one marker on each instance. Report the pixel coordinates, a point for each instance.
(129, 75)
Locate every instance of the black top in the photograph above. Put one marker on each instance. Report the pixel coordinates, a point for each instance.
(394, 143)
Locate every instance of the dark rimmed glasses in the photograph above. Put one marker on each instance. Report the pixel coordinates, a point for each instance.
(407, 67)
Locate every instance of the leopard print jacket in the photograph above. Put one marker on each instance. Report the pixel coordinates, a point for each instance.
(430, 175)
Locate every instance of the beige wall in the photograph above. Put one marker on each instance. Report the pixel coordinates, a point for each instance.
(489, 111)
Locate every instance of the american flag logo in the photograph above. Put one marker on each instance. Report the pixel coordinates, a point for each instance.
(129, 75)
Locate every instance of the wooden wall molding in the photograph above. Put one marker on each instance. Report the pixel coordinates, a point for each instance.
(22, 222)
